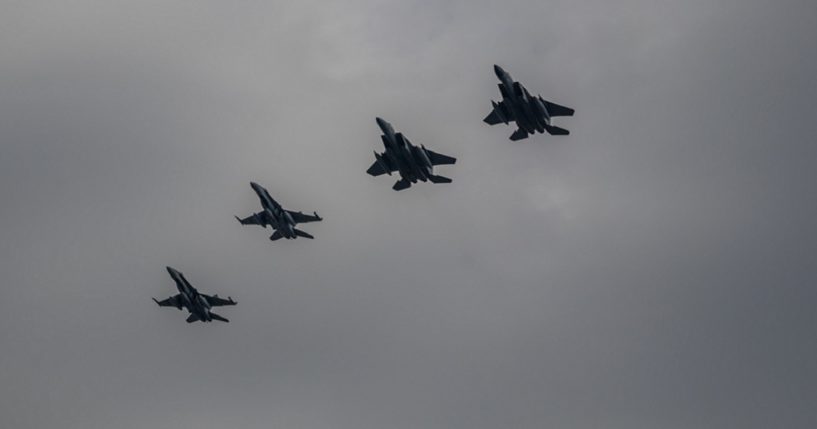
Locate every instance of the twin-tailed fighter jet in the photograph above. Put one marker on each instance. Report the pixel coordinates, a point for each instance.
(412, 162)
(282, 221)
(198, 304)
(530, 113)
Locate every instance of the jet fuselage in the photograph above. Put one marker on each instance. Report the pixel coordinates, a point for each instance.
(276, 216)
(191, 299)
(411, 161)
(530, 113)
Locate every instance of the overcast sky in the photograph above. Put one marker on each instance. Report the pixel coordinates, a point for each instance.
(654, 269)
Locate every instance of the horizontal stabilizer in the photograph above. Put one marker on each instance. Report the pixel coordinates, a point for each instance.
(303, 234)
(276, 236)
(556, 131)
(401, 184)
(519, 135)
(439, 179)
(192, 318)
(217, 317)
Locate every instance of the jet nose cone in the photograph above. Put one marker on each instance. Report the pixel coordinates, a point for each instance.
(498, 70)
(384, 126)
(171, 270)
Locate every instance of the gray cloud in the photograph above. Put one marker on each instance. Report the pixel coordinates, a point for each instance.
(653, 269)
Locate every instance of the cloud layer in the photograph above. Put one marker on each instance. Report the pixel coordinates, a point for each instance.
(653, 269)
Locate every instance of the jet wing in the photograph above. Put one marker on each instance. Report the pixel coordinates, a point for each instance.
(500, 114)
(557, 110)
(381, 166)
(173, 301)
(215, 301)
(300, 217)
(253, 219)
(439, 159)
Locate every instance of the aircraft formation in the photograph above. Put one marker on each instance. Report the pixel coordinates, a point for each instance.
(413, 164)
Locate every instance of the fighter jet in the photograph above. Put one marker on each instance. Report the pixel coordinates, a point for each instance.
(530, 113)
(282, 221)
(414, 163)
(198, 304)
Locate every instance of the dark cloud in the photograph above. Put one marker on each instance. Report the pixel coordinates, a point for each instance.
(653, 269)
